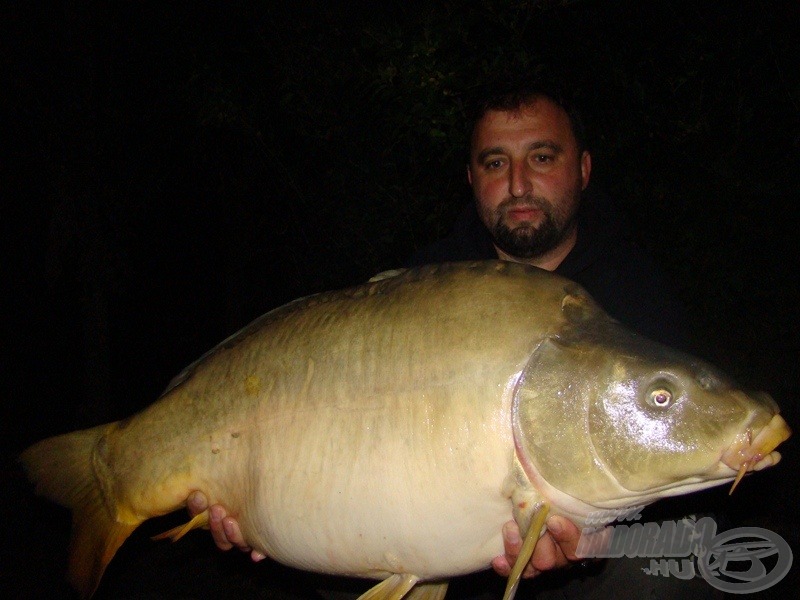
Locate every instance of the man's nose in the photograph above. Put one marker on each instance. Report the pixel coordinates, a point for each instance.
(519, 184)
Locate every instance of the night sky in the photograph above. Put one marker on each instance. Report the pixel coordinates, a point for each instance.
(170, 171)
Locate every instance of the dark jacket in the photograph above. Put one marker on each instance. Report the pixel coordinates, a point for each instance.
(618, 274)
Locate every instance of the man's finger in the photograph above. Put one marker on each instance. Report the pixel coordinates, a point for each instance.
(512, 544)
(216, 515)
(196, 503)
(546, 556)
(512, 541)
(566, 535)
(234, 534)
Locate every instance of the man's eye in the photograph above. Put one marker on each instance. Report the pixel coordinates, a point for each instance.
(543, 158)
(494, 164)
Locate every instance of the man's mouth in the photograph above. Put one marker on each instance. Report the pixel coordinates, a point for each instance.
(523, 213)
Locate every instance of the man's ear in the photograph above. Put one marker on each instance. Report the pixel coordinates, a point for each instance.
(469, 175)
(586, 168)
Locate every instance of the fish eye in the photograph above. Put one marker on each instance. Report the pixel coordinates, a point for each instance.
(660, 397)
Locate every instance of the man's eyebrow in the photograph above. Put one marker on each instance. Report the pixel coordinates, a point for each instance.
(484, 154)
(537, 145)
(549, 144)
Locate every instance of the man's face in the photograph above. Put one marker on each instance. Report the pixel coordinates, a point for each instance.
(527, 176)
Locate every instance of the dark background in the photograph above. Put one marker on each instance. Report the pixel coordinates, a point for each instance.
(170, 171)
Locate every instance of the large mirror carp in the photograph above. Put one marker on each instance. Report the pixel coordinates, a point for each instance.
(389, 430)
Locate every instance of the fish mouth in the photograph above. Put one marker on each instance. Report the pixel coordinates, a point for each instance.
(751, 452)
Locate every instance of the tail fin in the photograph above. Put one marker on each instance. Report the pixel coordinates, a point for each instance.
(61, 469)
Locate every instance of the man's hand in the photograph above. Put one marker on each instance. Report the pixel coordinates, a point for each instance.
(555, 549)
(224, 529)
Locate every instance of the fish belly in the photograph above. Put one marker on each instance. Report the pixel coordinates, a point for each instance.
(407, 482)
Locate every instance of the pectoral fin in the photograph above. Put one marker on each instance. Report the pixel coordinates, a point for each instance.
(428, 591)
(176, 533)
(525, 553)
(393, 587)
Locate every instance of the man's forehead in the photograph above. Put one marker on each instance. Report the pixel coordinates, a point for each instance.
(541, 119)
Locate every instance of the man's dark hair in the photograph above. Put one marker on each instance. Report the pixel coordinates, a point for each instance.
(506, 96)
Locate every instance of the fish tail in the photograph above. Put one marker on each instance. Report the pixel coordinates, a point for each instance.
(61, 469)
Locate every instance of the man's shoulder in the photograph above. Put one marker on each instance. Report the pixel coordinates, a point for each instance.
(622, 276)
(634, 289)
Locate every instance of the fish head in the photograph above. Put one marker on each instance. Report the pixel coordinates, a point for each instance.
(604, 418)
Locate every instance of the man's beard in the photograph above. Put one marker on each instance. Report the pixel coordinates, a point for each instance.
(526, 240)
